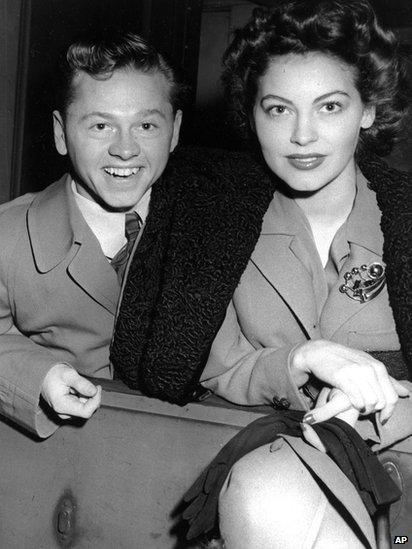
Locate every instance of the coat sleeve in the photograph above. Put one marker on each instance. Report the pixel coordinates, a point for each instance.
(23, 363)
(242, 374)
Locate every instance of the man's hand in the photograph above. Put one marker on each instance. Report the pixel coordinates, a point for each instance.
(69, 394)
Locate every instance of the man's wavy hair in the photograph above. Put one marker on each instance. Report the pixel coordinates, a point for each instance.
(345, 29)
(99, 55)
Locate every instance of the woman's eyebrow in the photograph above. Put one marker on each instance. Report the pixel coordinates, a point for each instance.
(317, 100)
(276, 97)
(326, 95)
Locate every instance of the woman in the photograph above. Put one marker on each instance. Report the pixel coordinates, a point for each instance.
(318, 82)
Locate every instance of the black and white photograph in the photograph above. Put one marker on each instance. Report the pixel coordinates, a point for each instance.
(205, 274)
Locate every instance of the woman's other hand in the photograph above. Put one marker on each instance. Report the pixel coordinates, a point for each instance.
(330, 403)
(363, 379)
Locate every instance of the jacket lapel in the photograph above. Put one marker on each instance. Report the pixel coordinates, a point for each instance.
(280, 259)
(58, 231)
(366, 243)
(94, 274)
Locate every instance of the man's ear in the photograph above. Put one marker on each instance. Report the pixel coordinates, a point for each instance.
(176, 130)
(59, 133)
(368, 117)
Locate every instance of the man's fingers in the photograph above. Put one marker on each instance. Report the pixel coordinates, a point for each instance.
(73, 406)
(80, 384)
(338, 403)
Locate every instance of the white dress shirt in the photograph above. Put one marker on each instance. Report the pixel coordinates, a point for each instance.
(108, 227)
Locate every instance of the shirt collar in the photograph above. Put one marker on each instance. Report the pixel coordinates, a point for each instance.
(362, 226)
(283, 216)
(108, 227)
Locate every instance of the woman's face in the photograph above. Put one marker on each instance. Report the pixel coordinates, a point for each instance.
(307, 117)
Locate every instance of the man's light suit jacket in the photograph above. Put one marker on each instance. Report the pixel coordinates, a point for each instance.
(58, 299)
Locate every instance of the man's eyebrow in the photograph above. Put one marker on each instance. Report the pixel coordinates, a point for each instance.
(317, 100)
(111, 116)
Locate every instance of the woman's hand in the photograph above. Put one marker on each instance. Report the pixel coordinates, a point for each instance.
(330, 403)
(363, 379)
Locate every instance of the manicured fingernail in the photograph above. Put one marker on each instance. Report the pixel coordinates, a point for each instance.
(309, 419)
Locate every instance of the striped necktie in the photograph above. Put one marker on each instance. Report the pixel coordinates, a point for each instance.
(133, 224)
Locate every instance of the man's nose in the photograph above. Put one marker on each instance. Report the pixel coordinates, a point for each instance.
(125, 145)
(304, 131)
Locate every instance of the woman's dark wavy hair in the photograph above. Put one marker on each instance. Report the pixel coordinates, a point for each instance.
(345, 29)
(102, 53)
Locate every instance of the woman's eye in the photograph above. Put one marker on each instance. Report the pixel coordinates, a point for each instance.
(331, 107)
(147, 126)
(278, 109)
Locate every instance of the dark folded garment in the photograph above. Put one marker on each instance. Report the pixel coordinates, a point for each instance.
(343, 444)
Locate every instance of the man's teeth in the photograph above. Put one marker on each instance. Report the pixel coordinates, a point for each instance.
(121, 172)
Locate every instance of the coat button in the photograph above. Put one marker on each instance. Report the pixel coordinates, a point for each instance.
(281, 403)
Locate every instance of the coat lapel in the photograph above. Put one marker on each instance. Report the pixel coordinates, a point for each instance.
(280, 259)
(94, 274)
(366, 242)
(58, 231)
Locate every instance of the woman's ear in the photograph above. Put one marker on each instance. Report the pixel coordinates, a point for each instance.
(368, 117)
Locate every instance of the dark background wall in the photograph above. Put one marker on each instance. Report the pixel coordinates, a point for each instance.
(221, 17)
(47, 27)
(193, 32)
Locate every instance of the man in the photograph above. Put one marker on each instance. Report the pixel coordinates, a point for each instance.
(118, 120)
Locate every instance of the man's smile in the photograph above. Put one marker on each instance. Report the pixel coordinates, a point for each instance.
(122, 172)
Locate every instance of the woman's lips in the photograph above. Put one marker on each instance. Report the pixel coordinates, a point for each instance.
(305, 162)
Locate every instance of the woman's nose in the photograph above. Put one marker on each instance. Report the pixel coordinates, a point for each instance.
(304, 131)
(125, 145)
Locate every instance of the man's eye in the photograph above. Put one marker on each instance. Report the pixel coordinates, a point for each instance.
(100, 126)
(147, 126)
(331, 106)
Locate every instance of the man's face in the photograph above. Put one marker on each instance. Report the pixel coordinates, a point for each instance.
(118, 133)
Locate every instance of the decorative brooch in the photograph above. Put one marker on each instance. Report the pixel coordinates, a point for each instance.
(365, 282)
